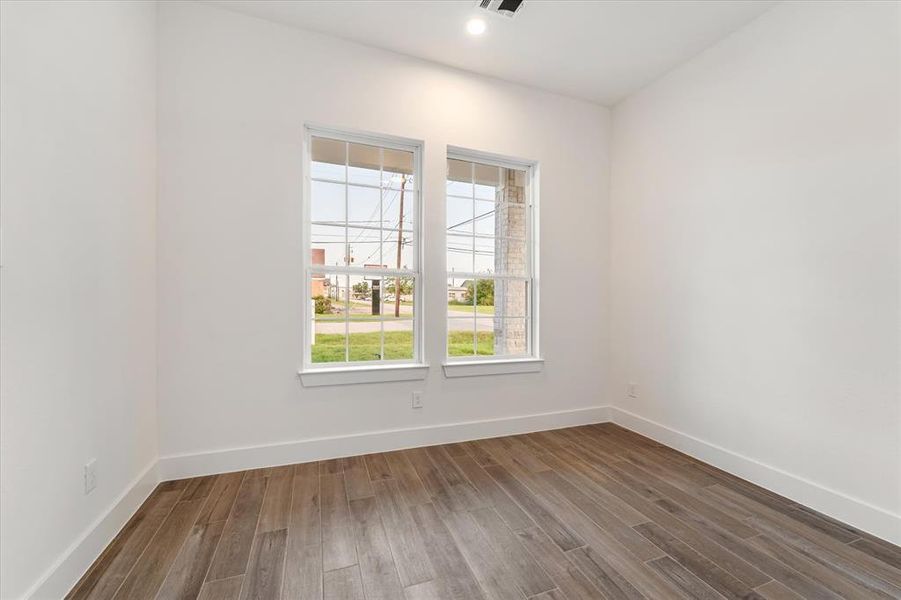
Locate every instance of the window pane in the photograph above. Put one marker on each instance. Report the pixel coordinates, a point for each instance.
(510, 257)
(484, 255)
(487, 181)
(336, 308)
(394, 307)
(510, 221)
(459, 254)
(460, 299)
(485, 336)
(510, 337)
(328, 309)
(363, 210)
(510, 299)
(397, 169)
(328, 159)
(365, 298)
(327, 217)
(393, 310)
(406, 259)
(327, 245)
(362, 246)
(484, 296)
(460, 337)
(466, 297)
(459, 178)
(364, 164)
(328, 343)
(496, 306)
(398, 340)
(485, 218)
(513, 186)
(394, 202)
(459, 215)
(327, 203)
(364, 341)
(325, 290)
(363, 206)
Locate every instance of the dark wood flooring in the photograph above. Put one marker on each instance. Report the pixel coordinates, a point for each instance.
(586, 512)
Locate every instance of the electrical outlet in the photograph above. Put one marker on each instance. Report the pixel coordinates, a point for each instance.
(633, 390)
(90, 476)
(417, 400)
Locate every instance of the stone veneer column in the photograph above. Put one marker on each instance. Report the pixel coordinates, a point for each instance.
(509, 297)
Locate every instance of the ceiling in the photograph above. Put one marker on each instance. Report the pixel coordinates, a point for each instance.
(600, 51)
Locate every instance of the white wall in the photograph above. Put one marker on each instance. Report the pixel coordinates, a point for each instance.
(234, 95)
(752, 270)
(755, 251)
(77, 284)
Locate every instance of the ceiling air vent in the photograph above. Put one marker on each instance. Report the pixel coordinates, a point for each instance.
(507, 8)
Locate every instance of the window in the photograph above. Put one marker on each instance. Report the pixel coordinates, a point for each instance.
(362, 274)
(490, 260)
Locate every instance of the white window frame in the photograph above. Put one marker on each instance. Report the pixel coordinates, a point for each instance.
(314, 374)
(531, 361)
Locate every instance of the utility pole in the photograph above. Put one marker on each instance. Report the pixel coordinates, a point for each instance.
(335, 287)
(400, 241)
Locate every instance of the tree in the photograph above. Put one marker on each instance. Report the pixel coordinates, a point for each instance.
(484, 292)
(406, 286)
(361, 290)
(323, 305)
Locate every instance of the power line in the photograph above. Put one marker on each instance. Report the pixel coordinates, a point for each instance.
(379, 208)
(472, 220)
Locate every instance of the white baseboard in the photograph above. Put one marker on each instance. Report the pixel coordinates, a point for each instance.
(837, 505)
(68, 568)
(65, 572)
(238, 459)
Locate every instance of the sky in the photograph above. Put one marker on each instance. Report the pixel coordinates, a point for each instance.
(372, 230)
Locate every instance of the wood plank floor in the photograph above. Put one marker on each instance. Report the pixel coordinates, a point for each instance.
(580, 513)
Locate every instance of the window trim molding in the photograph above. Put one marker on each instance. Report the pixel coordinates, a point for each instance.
(474, 368)
(348, 375)
(464, 366)
(313, 374)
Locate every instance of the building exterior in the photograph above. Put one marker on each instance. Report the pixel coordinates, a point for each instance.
(456, 293)
(510, 257)
(320, 282)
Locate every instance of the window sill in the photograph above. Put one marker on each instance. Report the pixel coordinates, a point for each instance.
(493, 367)
(363, 374)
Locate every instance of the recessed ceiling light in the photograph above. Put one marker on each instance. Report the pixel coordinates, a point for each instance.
(475, 26)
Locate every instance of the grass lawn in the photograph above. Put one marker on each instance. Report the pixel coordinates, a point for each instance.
(460, 343)
(329, 347)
